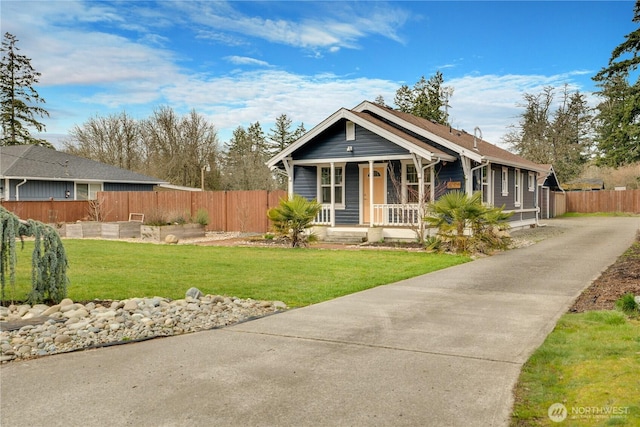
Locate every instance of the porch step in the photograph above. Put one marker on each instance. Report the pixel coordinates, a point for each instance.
(346, 236)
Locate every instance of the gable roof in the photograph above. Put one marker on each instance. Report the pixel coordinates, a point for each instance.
(400, 129)
(459, 141)
(368, 122)
(41, 163)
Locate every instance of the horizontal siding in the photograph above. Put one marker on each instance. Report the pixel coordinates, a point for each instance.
(40, 190)
(350, 214)
(451, 172)
(332, 144)
(305, 181)
(113, 186)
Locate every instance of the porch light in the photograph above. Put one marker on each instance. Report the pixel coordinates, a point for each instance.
(349, 148)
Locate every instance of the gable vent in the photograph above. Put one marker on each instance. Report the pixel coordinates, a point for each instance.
(351, 131)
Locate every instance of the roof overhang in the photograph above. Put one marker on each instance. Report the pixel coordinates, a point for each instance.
(73, 179)
(343, 113)
(368, 106)
(526, 166)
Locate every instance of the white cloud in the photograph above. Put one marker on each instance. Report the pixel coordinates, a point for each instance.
(492, 102)
(243, 60)
(322, 28)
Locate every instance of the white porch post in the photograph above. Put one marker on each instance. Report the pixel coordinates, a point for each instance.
(333, 194)
(371, 176)
(288, 167)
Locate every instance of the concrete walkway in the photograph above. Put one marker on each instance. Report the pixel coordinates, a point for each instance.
(443, 349)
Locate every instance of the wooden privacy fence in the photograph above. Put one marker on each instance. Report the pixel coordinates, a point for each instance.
(603, 201)
(49, 211)
(244, 211)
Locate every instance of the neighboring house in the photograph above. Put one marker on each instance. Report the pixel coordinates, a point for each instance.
(584, 184)
(377, 167)
(31, 172)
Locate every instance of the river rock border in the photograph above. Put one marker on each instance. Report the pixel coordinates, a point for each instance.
(42, 330)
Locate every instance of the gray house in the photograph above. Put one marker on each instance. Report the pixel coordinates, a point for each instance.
(372, 166)
(31, 172)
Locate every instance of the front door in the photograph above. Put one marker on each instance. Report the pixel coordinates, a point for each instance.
(378, 193)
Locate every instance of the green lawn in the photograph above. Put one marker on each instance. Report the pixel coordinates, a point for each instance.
(590, 363)
(103, 269)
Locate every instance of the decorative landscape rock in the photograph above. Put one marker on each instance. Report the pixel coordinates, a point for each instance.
(171, 239)
(194, 293)
(28, 332)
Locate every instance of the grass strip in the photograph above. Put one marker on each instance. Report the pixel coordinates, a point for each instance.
(100, 269)
(590, 363)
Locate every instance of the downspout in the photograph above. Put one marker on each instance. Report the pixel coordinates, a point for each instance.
(432, 193)
(432, 189)
(481, 165)
(24, 181)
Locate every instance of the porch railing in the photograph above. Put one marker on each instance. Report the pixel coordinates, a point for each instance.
(399, 215)
(386, 214)
(324, 216)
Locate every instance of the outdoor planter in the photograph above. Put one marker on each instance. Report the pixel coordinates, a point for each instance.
(157, 233)
(375, 234)
(121, 230)
(83, 229)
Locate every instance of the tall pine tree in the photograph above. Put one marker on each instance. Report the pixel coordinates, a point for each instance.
(428, 99)
(19, 101)
(618, 118)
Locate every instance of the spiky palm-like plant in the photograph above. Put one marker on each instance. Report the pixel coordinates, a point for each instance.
(466, 225)
(293, 216)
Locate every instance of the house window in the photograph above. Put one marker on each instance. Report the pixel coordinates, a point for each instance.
(87, 191)
(413, 188)
(505, 181)
(411, 184)
(325, 185)
(351, 131)
(517, 199)
(532, 181)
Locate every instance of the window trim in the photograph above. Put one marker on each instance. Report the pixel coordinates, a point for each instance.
(404, 182)
(320, 185)
(88, 184)
(532, 181)
(505, 181)
(517, 188)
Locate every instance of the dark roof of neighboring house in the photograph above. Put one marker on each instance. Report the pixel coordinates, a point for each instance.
(584, 184)
(41, 163)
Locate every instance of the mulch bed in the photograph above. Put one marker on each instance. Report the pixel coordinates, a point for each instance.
(621, 278)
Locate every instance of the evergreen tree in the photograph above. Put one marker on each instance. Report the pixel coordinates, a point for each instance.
(428, 99)
(562, 137)
(281, 135)
(19, 101)
(245, 160)
(618, 118)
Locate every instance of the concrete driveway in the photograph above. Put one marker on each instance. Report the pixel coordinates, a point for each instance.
(443, 349)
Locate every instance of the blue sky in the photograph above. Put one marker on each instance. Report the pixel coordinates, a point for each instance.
(240, 62)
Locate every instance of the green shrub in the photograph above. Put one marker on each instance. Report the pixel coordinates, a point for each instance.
(202, 217)
(628, 305)
(466, 225)
(293, 217)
